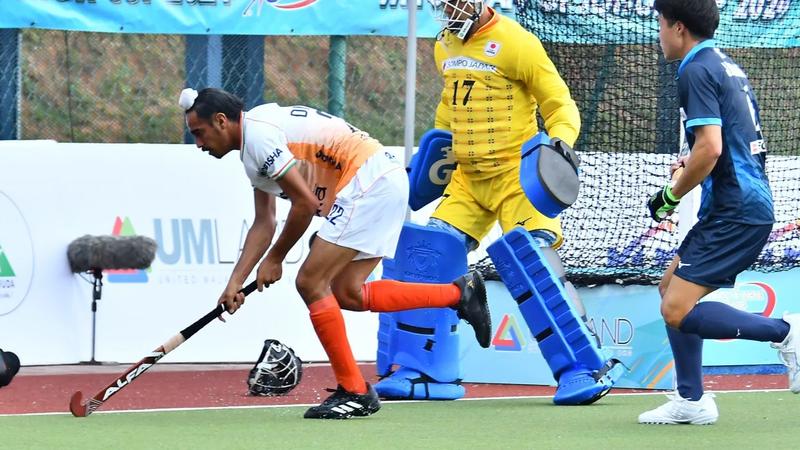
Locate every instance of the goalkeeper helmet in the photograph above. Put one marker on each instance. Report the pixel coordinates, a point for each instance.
(457, 16)
(277, 371)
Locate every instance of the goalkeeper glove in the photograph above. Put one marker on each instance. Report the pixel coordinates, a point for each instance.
(662, 203)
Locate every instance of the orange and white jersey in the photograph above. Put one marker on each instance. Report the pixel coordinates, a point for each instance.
(325, 149)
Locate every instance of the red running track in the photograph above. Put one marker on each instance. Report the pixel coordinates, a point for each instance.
(48, 389)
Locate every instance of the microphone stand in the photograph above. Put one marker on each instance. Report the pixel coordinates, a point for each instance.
(97, 292)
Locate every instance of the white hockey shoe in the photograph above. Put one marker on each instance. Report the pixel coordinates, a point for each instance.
(789, 351)
(680, 410)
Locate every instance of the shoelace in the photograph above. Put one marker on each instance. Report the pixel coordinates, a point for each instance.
(675, 400)
(788, 358)
(334, 399)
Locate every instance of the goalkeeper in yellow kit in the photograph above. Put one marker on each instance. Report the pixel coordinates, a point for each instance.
(496, 76)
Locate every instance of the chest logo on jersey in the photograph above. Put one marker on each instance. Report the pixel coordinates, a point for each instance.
(491, 48)
(758, 146)
(464, 63)
(328, 159)
(269, 162)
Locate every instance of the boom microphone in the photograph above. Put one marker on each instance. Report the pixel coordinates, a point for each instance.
(91, 253)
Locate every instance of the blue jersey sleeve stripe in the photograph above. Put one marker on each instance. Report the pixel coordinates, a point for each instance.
(703, 121)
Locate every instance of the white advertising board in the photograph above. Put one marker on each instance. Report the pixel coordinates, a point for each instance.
(197, 208)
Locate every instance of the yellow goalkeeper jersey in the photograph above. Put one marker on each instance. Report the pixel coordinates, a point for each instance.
(493, 84)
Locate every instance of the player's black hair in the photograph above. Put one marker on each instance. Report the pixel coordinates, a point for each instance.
(701, 17)
(210, 101)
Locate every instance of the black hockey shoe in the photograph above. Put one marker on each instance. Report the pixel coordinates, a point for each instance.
(344, 405)
(473, 306)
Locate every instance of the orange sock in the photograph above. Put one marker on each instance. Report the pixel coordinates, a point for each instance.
(329, 325)
(390, 295)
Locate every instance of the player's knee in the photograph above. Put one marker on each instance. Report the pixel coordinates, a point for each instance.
(348, 296)
(672, 313)
(469, 242)
(662, 288)
(309, 287)
(552, 257)
(544, 238)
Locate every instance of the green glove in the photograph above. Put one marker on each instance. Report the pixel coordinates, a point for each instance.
(662, 203)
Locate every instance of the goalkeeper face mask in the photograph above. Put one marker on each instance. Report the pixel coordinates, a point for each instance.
(277, 371)
(457, 16)
(9, 366)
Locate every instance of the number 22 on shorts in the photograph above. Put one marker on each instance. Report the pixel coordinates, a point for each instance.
(336, 212)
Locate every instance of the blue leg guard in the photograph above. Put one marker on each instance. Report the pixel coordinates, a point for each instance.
(583, 372)
(422, 342)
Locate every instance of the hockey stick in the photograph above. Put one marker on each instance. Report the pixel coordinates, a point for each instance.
(81, 409)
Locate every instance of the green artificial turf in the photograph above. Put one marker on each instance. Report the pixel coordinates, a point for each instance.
(752, 420)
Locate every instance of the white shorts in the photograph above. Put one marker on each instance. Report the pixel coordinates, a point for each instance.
(369, 211)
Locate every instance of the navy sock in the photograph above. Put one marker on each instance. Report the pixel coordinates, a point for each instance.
(687, 349)
(715, 320)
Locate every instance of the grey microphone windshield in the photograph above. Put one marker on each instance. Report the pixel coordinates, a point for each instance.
(89, 253)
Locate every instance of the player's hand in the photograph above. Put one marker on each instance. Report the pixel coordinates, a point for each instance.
(676, 166)
(662, 204)
(269, 271)
(231, 298)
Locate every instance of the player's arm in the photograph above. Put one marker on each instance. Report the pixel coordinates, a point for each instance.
(442, 120)
(443, 112)
(559, 111)
(259, 236)
(256, 243)
(688, 172)
(304, 207)
(706, 151)
(704, 120)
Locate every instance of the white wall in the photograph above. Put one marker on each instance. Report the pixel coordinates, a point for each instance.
(51, 194)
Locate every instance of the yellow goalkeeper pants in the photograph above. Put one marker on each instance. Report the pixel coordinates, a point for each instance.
(473, 206)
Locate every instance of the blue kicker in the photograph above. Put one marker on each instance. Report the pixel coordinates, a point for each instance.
(422, 343)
